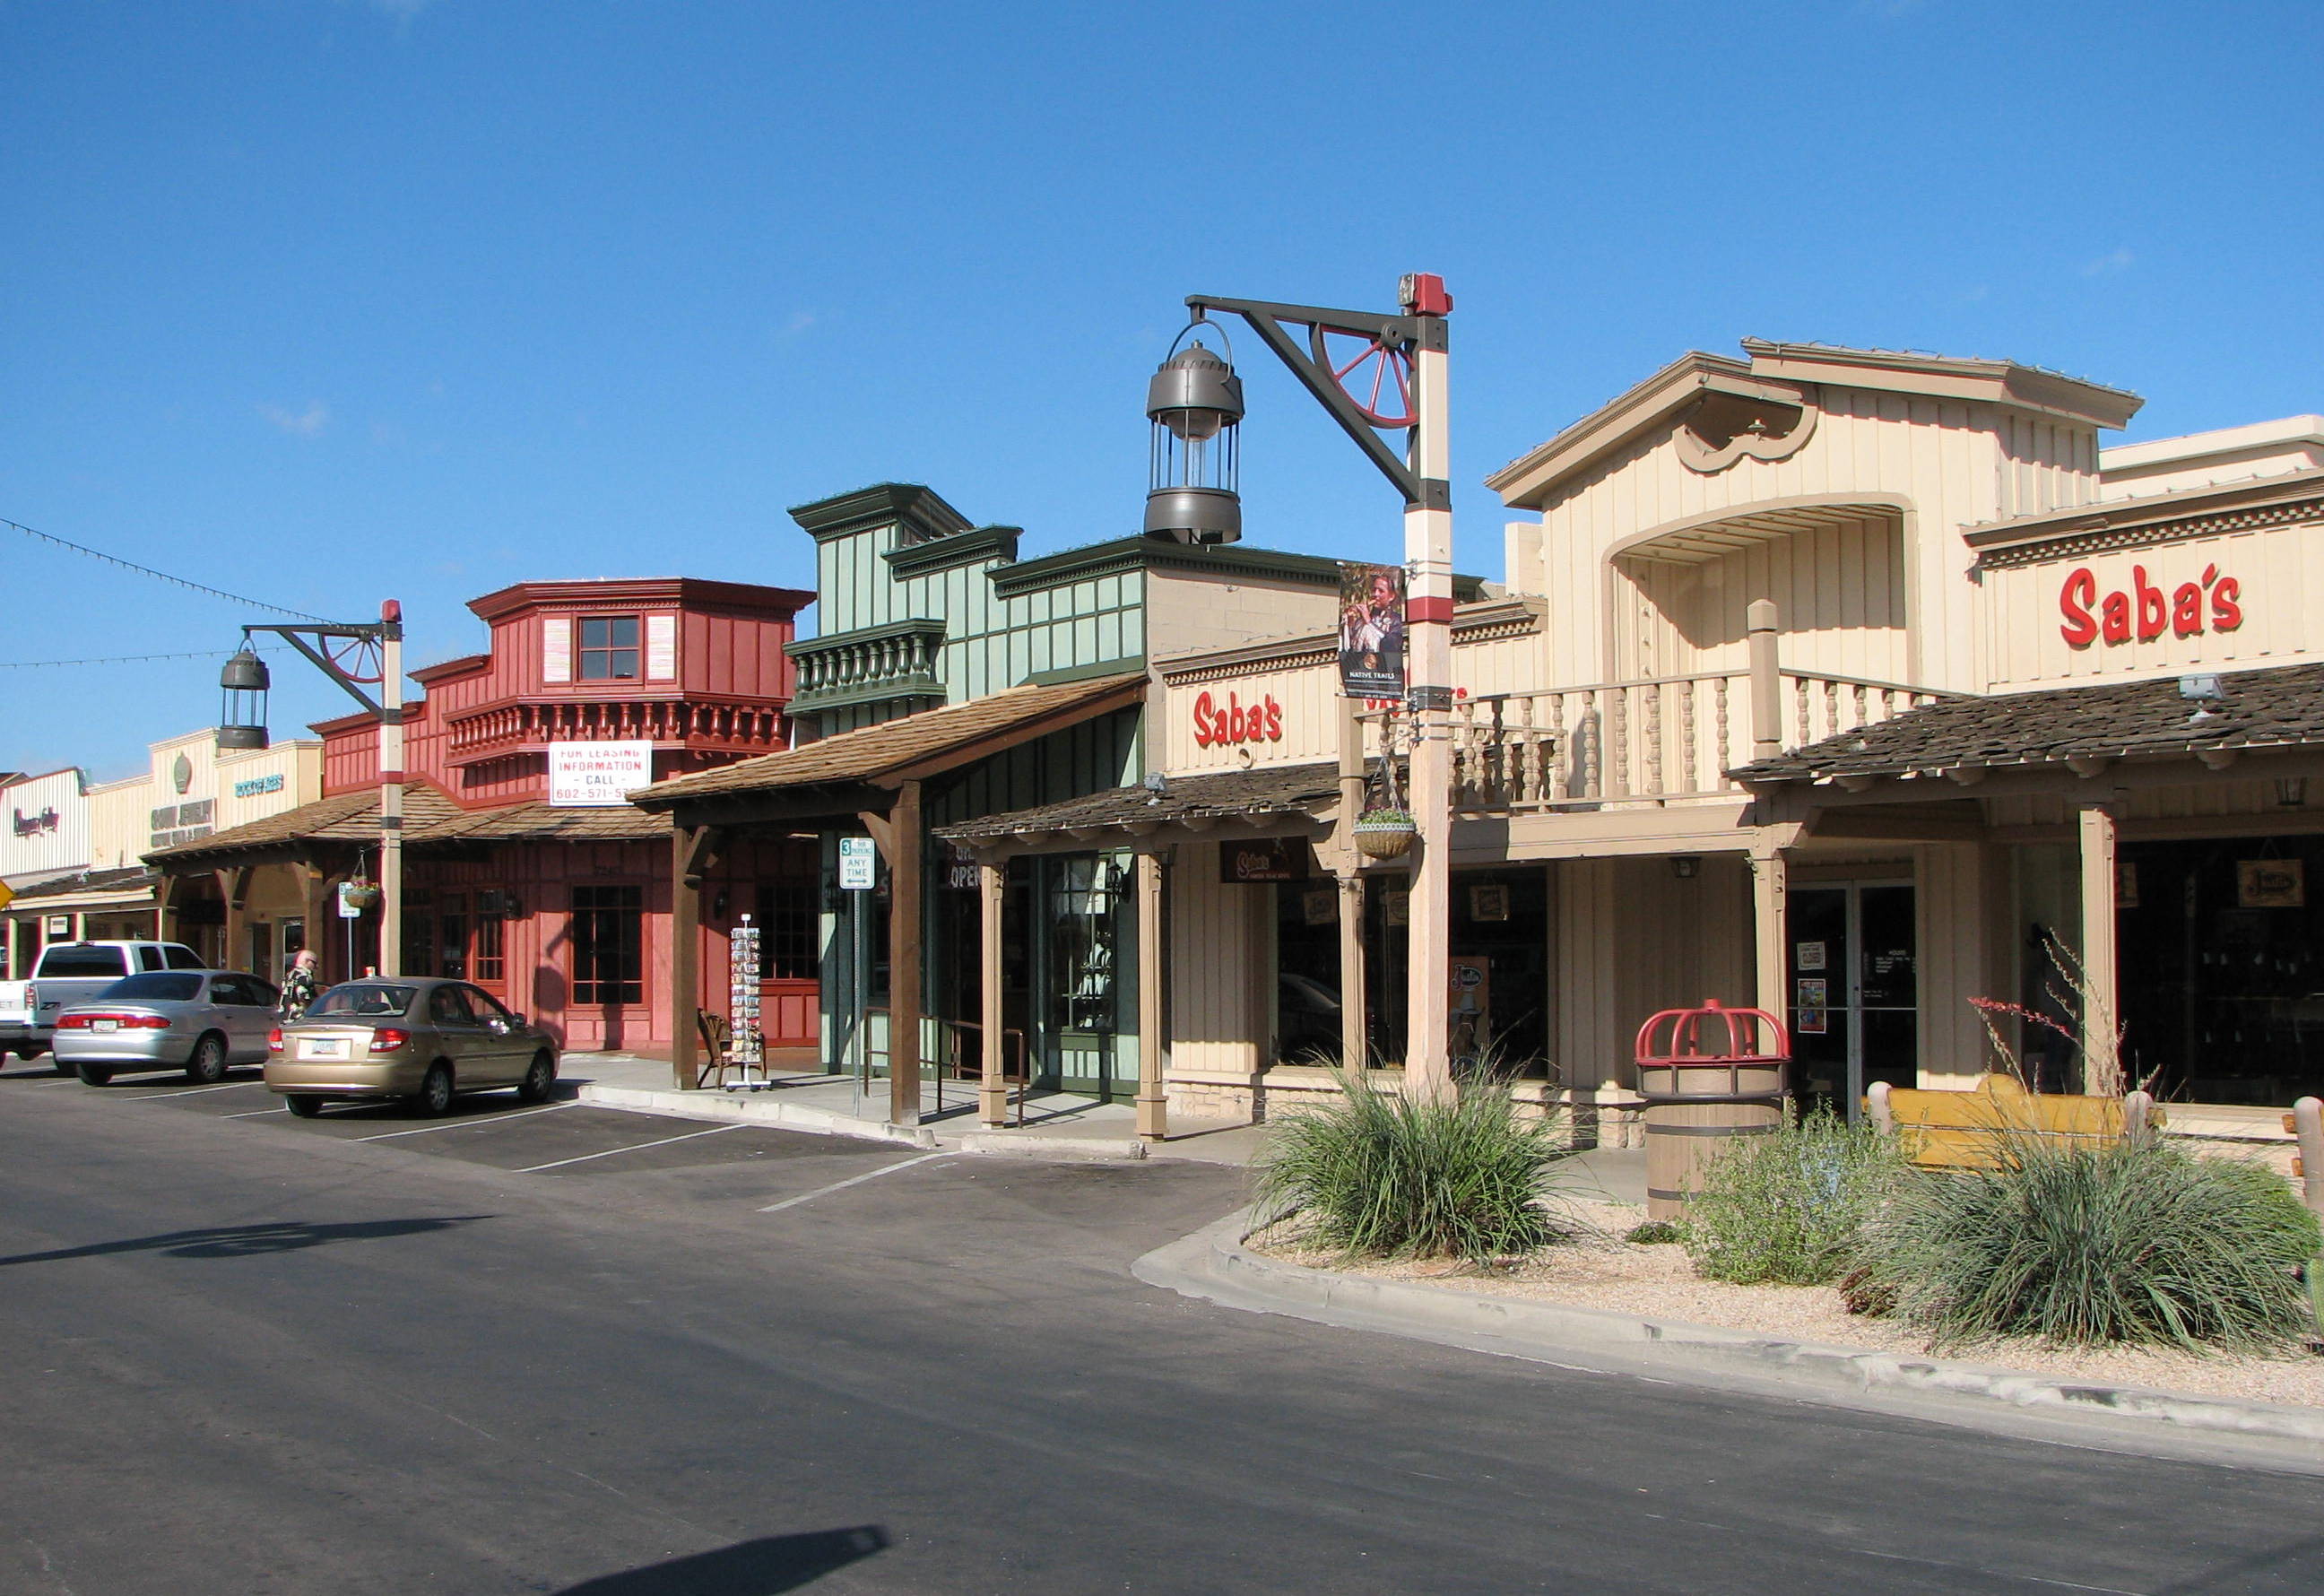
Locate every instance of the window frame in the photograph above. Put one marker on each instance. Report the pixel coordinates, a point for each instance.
(609, 654)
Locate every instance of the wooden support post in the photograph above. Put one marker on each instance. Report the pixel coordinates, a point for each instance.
(2306, 1121)
(1355, 1017)
(1153, 1093)
(2101, 1067)
(691, 850)
(233, 886)
(1759, 623)
(993, 1089)
(905, 845)
(1769, 908)
(314, 904)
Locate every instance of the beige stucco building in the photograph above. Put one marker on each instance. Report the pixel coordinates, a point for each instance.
(188, 789)
(1844, 681)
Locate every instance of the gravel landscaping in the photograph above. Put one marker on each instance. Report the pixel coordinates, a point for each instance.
(1597, 1269)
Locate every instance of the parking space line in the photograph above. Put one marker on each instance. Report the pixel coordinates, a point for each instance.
(192, 1090)
(463, 1124)
(253, 1114)
(638, 1148)
(841, 1185)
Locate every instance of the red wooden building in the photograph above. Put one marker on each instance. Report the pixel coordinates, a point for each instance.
(562, 909)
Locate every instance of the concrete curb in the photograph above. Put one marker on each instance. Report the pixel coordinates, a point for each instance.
(1067, 1149)
(1213, 1264)
(756, 1109)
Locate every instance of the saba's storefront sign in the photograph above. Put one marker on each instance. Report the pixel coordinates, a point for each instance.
(1229, 720)
(2144, 611)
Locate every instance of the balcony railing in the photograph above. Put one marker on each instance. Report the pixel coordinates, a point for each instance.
(1634, 741)
(870, 664)
(518, 728)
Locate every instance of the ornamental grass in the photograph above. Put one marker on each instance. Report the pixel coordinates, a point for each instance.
(2078, 1245)
(1374, 1174)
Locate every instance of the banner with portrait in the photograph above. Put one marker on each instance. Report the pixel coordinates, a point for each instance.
(1371, 630)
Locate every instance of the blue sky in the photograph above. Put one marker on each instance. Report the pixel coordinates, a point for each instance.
(323, 301)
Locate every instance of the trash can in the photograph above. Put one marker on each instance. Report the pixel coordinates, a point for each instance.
(1707, 1078)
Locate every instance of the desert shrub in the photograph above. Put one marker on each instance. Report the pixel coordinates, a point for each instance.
(1376, 1174)
(1786, 1207)
(2131, 1241)
(1655, 1232)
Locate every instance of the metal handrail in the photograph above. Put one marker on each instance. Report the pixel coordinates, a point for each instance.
(1022, 1080)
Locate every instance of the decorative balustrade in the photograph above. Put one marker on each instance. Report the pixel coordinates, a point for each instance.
(1650, 741)
(896, 660)
(512, 728)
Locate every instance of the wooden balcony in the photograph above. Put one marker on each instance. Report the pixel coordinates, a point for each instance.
(873, 664)
(1668, 739)
(529, 728)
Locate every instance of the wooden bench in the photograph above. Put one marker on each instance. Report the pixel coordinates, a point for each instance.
(1962, 1130)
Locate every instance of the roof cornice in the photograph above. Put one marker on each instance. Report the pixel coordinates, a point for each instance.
(2248, 505)
(1146, 554)
(684, 592)
(1524, 479)
(995, 543)
(885, 503)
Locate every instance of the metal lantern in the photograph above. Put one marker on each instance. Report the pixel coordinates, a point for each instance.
(242, 718)
(1196, 403)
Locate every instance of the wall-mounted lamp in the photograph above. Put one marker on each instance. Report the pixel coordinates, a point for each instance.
(1686, 866)
(2290, 791)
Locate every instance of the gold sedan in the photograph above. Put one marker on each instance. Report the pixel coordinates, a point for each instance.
(423, 1040)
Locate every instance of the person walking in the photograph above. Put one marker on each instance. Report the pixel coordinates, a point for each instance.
(298, 986)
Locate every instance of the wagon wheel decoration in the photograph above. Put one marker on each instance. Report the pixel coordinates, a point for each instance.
(360, 660)
(1376, 376)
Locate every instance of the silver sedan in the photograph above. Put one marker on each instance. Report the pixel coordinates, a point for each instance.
(201, 1021)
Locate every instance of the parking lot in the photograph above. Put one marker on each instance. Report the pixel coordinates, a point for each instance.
(565, 1139)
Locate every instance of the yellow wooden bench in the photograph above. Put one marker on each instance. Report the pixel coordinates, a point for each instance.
(1962, 1130)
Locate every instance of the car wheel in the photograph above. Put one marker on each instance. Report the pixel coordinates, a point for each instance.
(28, 1051)
(305, 1106)
(435, 1090)
(91, 1074)
(206, 1067)
(538, 1080)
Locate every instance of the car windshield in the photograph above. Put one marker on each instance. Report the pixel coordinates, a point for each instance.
(366, 998)
(157, 988)
(84, 961)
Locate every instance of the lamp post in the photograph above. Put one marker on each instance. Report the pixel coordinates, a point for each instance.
(358, 655)
(1396, 364)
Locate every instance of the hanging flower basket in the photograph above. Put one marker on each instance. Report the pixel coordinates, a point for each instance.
(1384, 833)
(361, 894)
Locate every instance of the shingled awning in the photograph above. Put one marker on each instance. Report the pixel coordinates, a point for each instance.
(343, 818)
(2062, 726)
(1300, 792)
(925, 743)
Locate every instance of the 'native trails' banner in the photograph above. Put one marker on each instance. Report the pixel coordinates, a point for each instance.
(1371, 630)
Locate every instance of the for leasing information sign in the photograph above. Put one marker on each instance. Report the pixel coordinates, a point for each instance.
(595, 775)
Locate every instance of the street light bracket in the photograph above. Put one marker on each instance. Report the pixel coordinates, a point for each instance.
(359, 631)
(1398, 335)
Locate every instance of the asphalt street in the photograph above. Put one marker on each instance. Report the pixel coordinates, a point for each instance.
(579, 1351)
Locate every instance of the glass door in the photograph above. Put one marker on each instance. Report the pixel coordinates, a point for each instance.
(1854, 991)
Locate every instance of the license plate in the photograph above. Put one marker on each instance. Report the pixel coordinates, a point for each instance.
(104, 1025)
(324, 1047)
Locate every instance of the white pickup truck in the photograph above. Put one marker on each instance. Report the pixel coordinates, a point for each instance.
(71, 973)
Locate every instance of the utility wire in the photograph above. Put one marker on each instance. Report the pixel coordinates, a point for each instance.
(121, 658)
(127, 564)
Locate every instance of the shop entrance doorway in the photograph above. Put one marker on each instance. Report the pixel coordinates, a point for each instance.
(1854, 991)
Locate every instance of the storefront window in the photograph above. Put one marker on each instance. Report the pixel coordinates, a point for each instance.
(453, 926)
(2221, 967)
(608, 945)
(787, 923)
(1084, 892)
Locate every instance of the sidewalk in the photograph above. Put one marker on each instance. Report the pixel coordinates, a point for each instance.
(1057, 1125)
